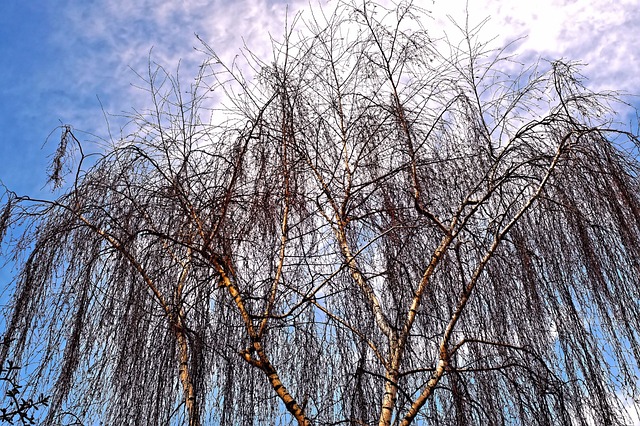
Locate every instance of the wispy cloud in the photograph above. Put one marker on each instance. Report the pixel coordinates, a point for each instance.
(599, 33)
(96, 44)
(107, 38)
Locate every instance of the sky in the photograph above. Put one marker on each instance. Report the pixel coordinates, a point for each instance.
(72, 61)
(69, 61)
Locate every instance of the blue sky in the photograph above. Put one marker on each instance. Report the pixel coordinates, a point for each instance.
(61, 59)
(58, 57)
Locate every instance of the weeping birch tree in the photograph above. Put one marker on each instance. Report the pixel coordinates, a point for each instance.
(376, 227)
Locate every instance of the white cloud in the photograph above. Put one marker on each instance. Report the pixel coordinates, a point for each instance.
(105, 38)
(599, 33)
(632, 407)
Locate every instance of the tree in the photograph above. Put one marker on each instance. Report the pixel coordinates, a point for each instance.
(378, 227)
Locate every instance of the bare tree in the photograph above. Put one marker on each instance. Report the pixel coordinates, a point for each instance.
(378, 227)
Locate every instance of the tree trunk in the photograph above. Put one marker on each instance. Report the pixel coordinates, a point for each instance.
(389, 397)
(186, 379)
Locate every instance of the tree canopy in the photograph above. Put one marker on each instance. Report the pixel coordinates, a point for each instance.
(373, 227)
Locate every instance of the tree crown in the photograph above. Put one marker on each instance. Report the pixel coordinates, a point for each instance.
(379, 227)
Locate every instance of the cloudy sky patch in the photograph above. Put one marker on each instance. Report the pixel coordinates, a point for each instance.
(59, 58)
